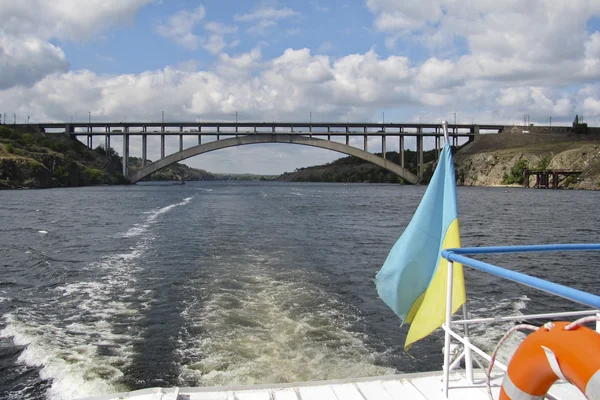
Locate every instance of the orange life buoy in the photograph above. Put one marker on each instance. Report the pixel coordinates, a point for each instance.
(551, 353)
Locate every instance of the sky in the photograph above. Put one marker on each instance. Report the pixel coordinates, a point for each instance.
(486, 61)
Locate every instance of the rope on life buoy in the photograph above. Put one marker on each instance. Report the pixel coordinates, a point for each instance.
(522, 327)
(551, 358)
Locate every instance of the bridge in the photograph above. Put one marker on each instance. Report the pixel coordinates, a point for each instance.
(229, 134)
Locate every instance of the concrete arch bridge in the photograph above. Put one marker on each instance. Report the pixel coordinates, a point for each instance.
(268, 138)
(316, 134)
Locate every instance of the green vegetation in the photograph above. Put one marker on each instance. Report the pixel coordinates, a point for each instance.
(543, 163)
(94, 175)
(52, 160)
(352, 169)
(517, 173)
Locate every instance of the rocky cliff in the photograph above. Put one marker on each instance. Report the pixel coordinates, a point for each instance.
(492, 159)
(45, 160)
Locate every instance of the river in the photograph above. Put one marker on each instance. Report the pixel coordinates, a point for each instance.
(106, 289)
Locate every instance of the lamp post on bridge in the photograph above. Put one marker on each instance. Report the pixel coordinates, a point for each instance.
(310, 117)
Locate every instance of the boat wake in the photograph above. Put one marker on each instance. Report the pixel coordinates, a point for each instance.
(250, 322)
(486, 336)
(81, 338)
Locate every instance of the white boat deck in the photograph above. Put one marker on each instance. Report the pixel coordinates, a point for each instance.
(420, 386)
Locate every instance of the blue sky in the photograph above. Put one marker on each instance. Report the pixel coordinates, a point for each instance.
(484, 60)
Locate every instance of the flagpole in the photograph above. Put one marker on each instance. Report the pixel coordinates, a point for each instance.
(445, 128)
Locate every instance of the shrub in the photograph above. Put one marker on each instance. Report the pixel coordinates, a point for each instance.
(94, 175)
(543, 163)
(517, 173)
(27, 139)
(10, 148)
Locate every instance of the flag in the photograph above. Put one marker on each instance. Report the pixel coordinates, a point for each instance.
(413, 279)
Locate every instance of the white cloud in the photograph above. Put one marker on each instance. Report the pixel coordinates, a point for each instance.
(526, 41)
(215, 44)
(25, 61)
(180, 26)
(27, 26)
(65, 19)
(219, 28)
(265, 18)
(266, 13)
(325, 47)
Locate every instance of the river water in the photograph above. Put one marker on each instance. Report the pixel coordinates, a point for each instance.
(108, 289)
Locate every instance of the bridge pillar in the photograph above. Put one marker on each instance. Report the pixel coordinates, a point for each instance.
(347, 140)
(366, 146)
(162, 146)
(437, 146)
(420, 152)
(144, 150)
(125, 154)
(401, 149)
(107, 144)
(180, 142)
(90, 143)
(383, 147)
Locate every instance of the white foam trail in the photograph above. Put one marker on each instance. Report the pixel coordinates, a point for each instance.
(64, 336)
(43, 232)
(486, 336)
(261, 328)
(139, 229)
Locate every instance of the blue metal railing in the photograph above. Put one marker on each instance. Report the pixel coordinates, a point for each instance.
(458, 255)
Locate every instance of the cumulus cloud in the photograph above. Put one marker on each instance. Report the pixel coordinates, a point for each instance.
(25, 61)
(179, 28)
(65, 19)
(27, 26)
(528, 41)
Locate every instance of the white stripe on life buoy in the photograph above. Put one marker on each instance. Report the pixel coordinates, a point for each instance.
(515, 393)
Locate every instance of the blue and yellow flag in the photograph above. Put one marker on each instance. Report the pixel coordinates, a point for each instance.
(412, 281)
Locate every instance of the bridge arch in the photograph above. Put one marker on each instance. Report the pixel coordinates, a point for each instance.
(268, 138)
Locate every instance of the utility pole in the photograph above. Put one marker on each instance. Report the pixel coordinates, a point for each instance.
(550, 121)
(310, 117)
(236, 117)
(163, 117)
(28, 120)
(383, 117)
(15, 118)
(454, 119)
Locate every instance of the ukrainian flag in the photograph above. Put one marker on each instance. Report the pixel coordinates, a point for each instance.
(412, 281)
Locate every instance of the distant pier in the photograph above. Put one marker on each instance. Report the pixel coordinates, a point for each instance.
(548, 179)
